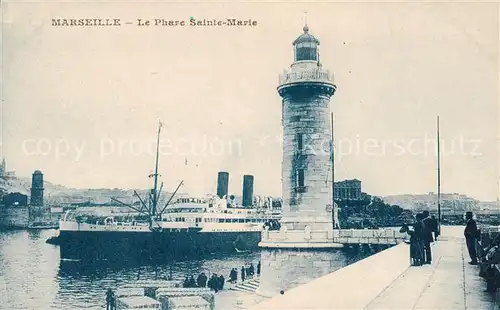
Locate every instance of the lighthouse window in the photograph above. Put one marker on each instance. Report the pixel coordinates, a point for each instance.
(306, 51)
(300, 177)
(300, 141)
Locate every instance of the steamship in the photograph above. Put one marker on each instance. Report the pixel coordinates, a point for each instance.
(184, 228)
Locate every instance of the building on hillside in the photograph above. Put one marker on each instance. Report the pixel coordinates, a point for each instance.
(420, 202)
(348, 190)
(15, 200)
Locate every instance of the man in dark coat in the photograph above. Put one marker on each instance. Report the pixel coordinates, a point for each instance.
(110, 300)
(199, 280)
(250, 270)
(186, 282)
(471, 233)
(242, 273)
(202, 280)
(191, 282)
(221, 282)
(427, 238)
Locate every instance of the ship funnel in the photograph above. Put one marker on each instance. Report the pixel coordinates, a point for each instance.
(222, 184)
(247, 191)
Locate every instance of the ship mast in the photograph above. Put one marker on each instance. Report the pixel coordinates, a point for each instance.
(151, 210)
(155, 188)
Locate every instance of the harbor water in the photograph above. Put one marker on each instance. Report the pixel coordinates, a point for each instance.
(32, 276)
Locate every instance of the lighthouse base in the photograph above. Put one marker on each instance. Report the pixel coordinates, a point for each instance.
(301, 233)
(284, 269)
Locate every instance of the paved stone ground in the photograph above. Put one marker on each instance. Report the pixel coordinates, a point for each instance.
(449, 283)
(231, 300)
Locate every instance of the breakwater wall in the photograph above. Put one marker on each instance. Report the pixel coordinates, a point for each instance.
(352, 287)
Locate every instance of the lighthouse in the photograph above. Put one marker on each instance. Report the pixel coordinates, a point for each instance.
(306, 89)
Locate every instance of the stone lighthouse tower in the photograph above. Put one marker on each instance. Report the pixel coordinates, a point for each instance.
(306, 88)
(290, 254)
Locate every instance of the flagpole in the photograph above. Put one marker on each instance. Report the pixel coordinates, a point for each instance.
(438, 177)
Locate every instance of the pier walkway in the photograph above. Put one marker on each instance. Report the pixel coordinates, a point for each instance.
(386, 281)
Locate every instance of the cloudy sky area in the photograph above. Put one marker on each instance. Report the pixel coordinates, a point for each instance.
(83, 104)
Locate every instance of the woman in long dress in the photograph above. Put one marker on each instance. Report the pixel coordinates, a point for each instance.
(416, 245)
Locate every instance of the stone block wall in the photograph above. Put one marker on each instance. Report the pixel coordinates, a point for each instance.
(310, 117)
(165, 294)
(286, 269)
(137, 302)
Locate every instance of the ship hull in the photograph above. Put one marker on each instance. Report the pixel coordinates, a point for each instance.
(153, 246)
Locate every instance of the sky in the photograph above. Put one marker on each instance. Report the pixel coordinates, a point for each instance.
(82, 104)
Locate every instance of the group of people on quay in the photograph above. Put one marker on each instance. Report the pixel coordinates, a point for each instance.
(246, 272)
(425, 231)
(272, 225)
(216, 282)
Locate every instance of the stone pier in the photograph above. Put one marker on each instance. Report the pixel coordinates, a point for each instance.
(387, 281)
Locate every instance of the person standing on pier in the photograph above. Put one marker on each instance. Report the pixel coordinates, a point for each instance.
(213, 283)
(242, 273)
(110, 300)
(471, 233)
(202, 280)
(418, 233)
(250, 270)
(258, 269)
(233, 276)
(435, 227)
(427, 237)
(221, 282)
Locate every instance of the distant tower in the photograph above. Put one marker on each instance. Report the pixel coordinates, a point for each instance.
(222, 184)
(247, 191)
(306, 89)
(37, 189)
(3, 170)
